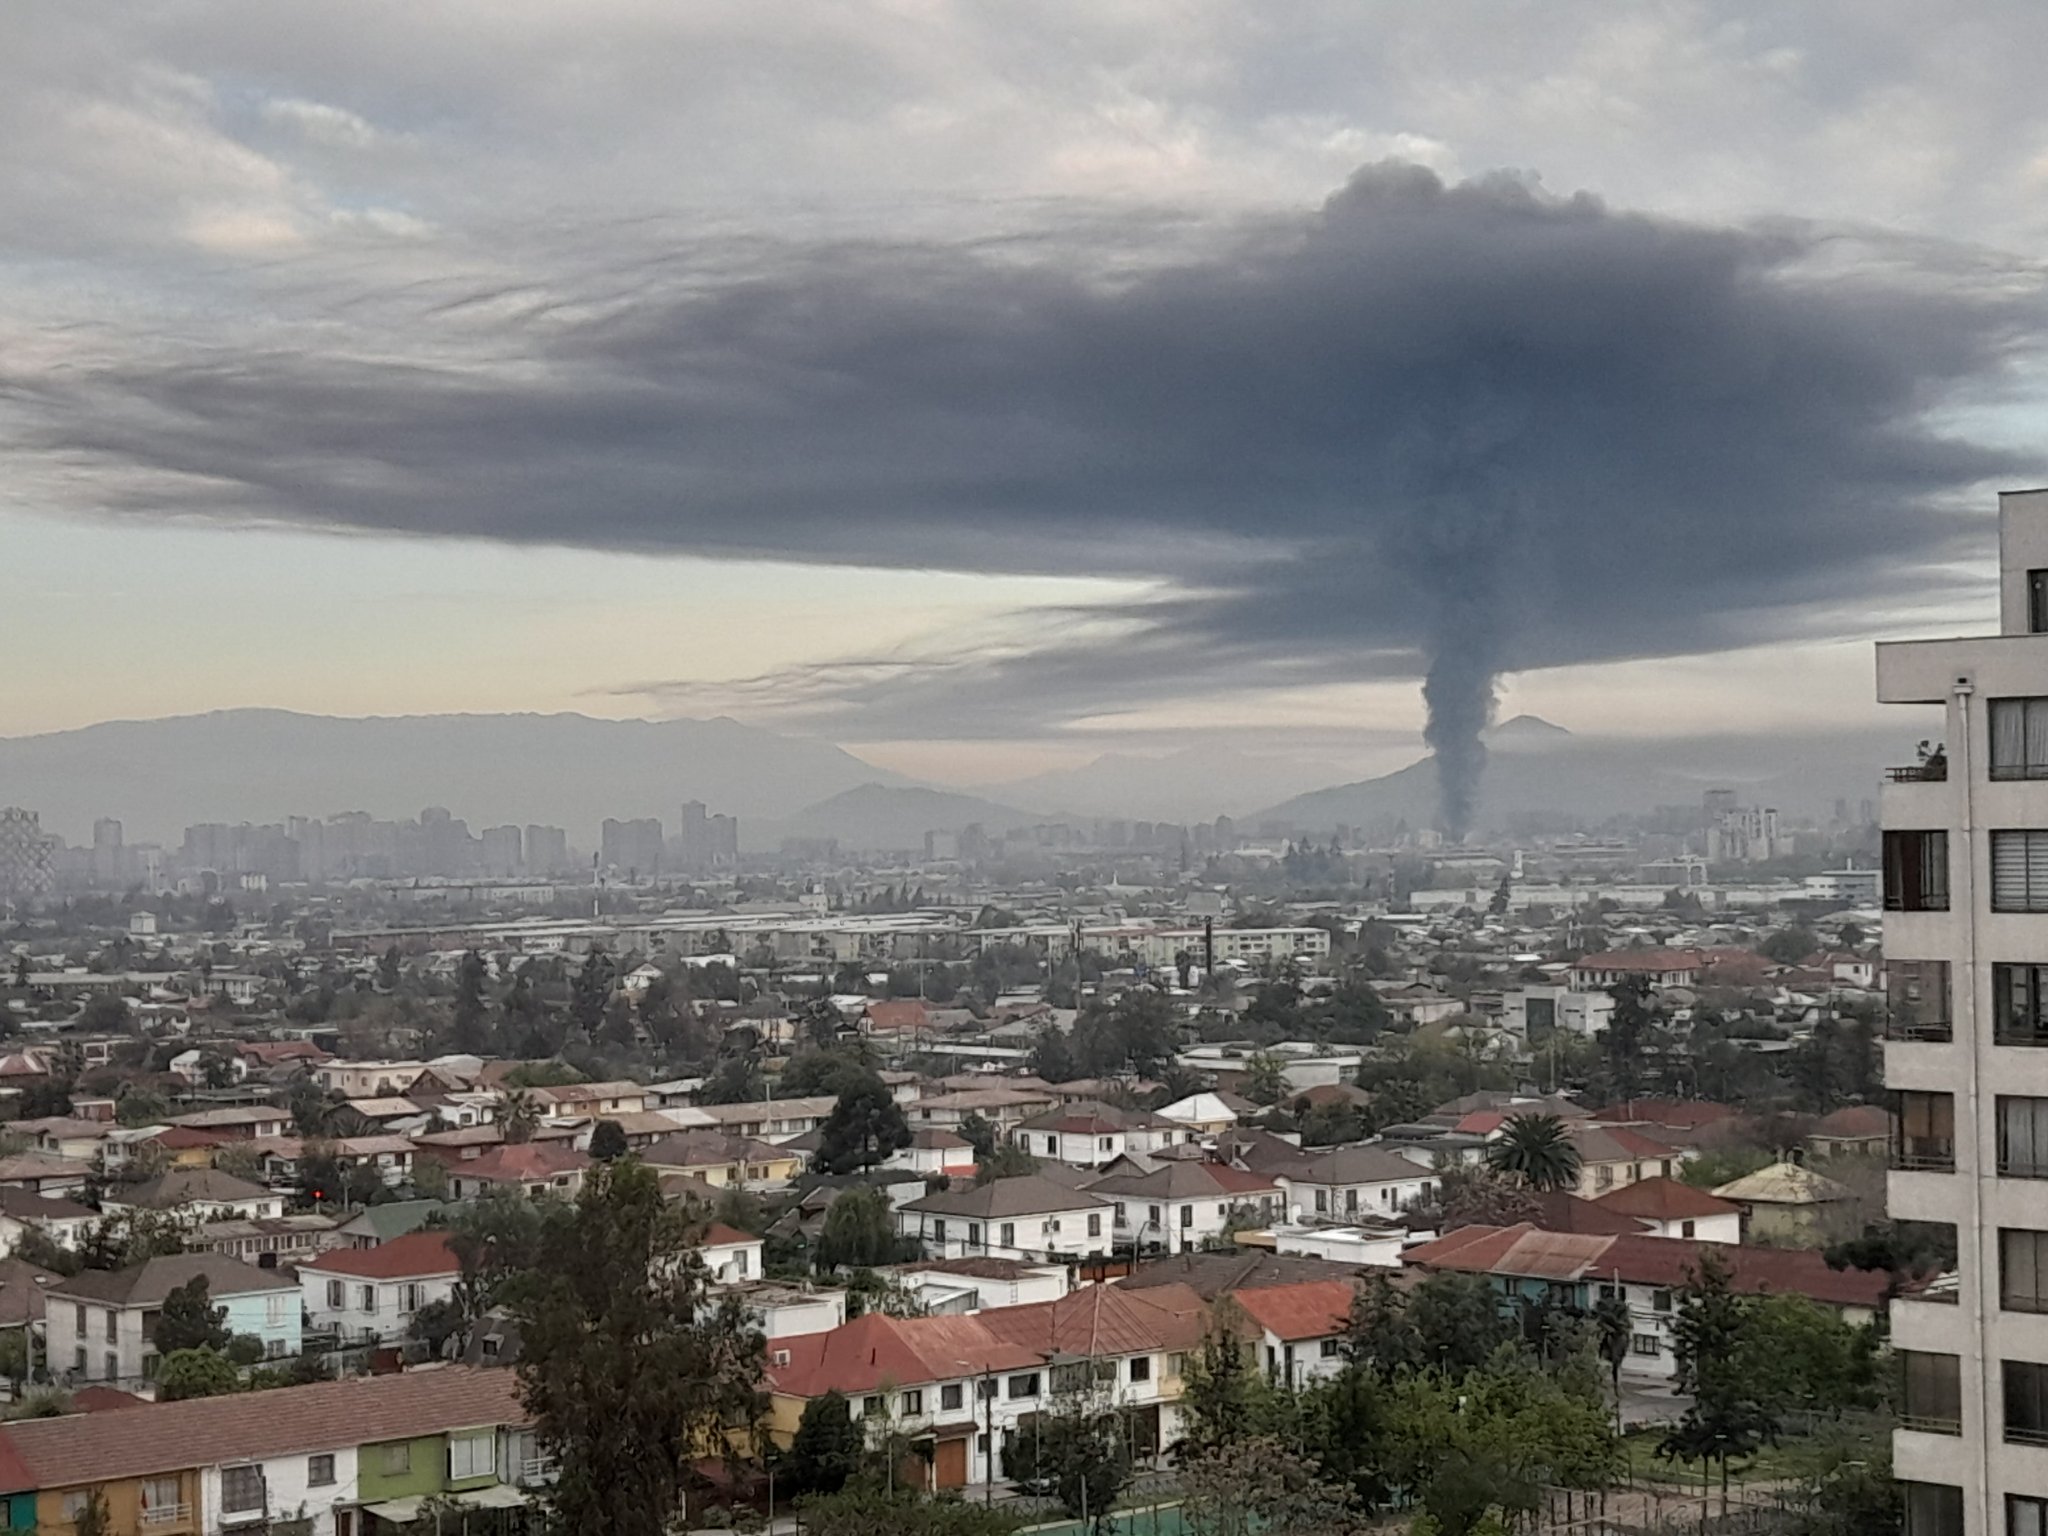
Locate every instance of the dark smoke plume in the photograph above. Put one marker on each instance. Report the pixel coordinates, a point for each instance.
(1422, 431)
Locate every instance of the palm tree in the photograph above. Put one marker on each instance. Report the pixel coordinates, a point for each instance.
(1539, 1150)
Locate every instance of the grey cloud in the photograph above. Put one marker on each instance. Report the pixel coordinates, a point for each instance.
(1472, 422)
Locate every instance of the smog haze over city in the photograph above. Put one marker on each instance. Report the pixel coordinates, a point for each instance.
(987, 390)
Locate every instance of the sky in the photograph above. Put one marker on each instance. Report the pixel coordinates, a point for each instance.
(984, 387)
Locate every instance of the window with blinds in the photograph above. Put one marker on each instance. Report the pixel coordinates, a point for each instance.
(2022, 1269)
(2019, 738)
(1933, 1392)
(1917, 999)
(2019, 872)
(1924, 1131)
(1916, 871)
(2026, 1402)
(2022, 1138)
(2019, 1004)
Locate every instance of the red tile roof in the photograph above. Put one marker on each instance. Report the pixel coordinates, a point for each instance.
(1314, 1309)
(250, 1426)
(1662, 1199)
(875, 1350)
(1525, 1252)
(1647, 962)
(1105, 1320)
(521, 1162)
(403, 1258)
(719, 1235)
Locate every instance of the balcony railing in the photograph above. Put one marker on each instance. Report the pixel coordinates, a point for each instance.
(1943, 1290)
(1924, 1031)
(1923, 1156)
(166, 1514)
(2023, 1434)
(1932, 772)
(536, 1469)
(1931, 1423)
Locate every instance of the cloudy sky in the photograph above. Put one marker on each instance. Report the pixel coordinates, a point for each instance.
(989, 385)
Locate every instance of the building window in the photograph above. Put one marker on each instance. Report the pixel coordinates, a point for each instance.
(409, 1298)
(913, 1404)
(974, 1234)
(2019, 1004)
(337, 1295)
(871, 1406)
(1152, 1215)
(75, 1503)
(2022, 1138)
(938, 1230)
(472, 1455)
(1330, 1349)
(1095, 1224)
(1916, 871)
(985, 1388)
(1006, 1236)
(1141, 1367)
(241, 1490)
(952, 1398)
(1642, 1344)
(397, 1458)
(1187, 1216)
(319, 1471)
(1688, 1228)
(2025, 1516)
(2019, 738)
(1917, 999)
(160, 1498)
(2022, 1270)
(1025, 1385)
(1924, 1132)
(1177, 1364)
(366, 1298)
(1933, 1509)
(1322, 1200)
(2019, 873)
(1933, 1392)
(2026, 1402)
(1660, 1301)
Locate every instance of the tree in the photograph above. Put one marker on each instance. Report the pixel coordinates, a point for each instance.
(1052, 1058)
(1219, 1385)
(608, 1141)
(1474, 1197)
(429, 1178)
(1457, 1321)
(866, 1127)
(1611, 1317)
(871, 1508)
(628, 1363)
(593, 991)
(1789, 946)
(1538, 1150)
(387, 970)
(860, 1232)
(15, 1362)
(824, 1070)
(826, 1449)
(21, 969)
(518, 1115)
(93, 1518)
(470, 1030)
(1076, 1454)
(1265, 1078)
(246, 1349)
(1729, 1417)
(196, 1372)
(1259, 1487)
(1330, 1124)
(189, 1320)
(979, 1133)
(1007, 1161)
(1379, 1335)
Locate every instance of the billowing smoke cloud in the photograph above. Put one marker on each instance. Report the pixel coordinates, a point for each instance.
(1423, 431)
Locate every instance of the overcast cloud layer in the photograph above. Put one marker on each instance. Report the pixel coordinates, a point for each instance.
(1057, 290)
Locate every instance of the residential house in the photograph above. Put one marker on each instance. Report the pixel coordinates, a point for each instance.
(1527, 1264)
(782, 1309)
(723, 1160)
(1206, 1114)
(371, 1295)
(530, 1168)
(1614, 1155)
(367, 1079)
(731, 1257)
(1300, 1327)
(381, 1223)
(268, 1241)
(597, 1101)
(770, 1120)
(1030, 1218)
(977, 1283)
(43, 1174)
(1658, 967)
(1181, 1205)
(195, 1195)
(101, 1322)
(1361, 1179)
(1002, 1107)
(1667, 1208)
(242, 1122)
(1088, 1135)
(1789, 1205)
(65, 1136)
(1855, 1130)
(935, 1152)
(315, 1460)
(24, 1291)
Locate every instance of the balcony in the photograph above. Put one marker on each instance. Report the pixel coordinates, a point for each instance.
(1923, 1154)
(1944, 1290)
(1933, 771)
(1919, 1031)
(157, 1516)
(1932, 1423)
(536, 1469)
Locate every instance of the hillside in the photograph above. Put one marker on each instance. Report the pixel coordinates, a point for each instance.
(891, 818)
(1537, 772)
(158, 776)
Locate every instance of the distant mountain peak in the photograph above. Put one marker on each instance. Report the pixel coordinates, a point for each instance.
(1526, 728)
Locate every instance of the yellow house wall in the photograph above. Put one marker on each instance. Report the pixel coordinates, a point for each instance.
(124, 1506)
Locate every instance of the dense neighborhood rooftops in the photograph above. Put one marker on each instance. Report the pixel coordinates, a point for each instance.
(200, 1432)
(189, 1186)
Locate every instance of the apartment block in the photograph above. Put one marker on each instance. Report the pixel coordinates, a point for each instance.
(1966, 943)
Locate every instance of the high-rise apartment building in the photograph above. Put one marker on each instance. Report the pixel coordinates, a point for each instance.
(503, 850)
(707, 841)
(632, 848)
(1966, 954)
(547, 850)
(28, 854)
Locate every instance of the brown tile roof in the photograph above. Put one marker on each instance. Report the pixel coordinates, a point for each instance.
(519, 1162)
(250, 1426)
(1028, 1195)
(22, 1285)
(1210, 1275)
(1313, 1309)
(875, 1349)
(184, 1186)
(1561, 1211)
(1662, 1199)
(150, 1282)
(403, 1258)
(1187, 1181)
(27, 1205)
(1105, 1320)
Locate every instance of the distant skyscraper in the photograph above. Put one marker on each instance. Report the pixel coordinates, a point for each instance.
(28, 855)
(707, 841)
(502, 851)
(631, 847)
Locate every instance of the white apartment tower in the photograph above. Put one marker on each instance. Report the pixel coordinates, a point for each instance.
(1966, 948)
